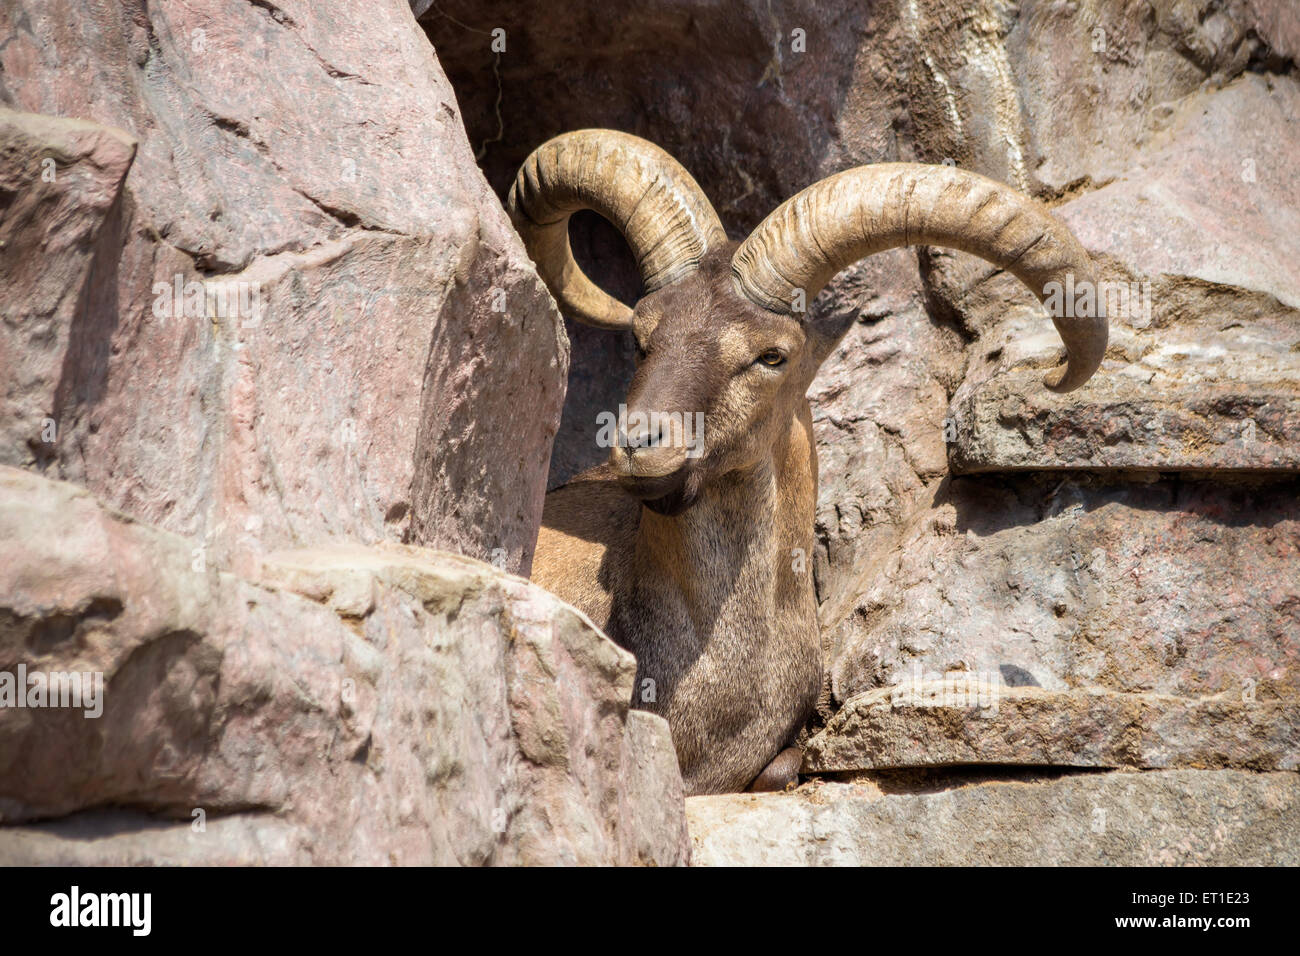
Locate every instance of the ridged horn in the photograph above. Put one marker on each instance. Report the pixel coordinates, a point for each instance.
(649, 196)
(839, 220)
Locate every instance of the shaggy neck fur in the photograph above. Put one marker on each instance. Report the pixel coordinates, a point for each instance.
(717, 604)
(730, 554)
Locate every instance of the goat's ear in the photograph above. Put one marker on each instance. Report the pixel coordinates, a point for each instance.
(826, 330)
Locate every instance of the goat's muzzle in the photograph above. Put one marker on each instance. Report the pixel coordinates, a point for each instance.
(654, 469)
(666, 495)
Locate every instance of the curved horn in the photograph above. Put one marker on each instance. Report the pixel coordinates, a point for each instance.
(649, 196)
(835, 222)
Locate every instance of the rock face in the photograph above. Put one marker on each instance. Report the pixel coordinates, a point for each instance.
(1077, 582)
(383, 704)
(285, 322)
(61, 179)
(964, 722)
(1199, 246)
(1160, 818)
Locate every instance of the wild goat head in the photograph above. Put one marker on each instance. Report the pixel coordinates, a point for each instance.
(723, 326)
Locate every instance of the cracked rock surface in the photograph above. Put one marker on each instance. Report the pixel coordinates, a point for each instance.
(357, 705)
(341, 376)
(1158, 818)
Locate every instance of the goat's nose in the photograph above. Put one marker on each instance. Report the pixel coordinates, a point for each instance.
(651, 444)
(643, 435)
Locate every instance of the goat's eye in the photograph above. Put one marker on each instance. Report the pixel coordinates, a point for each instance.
(772, 358)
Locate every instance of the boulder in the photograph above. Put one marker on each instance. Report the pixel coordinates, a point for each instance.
(302, 316)
(963, 720)
(1159, 818)
(357, 705)
(60, 180)
(1198, 241)
(1074, 582)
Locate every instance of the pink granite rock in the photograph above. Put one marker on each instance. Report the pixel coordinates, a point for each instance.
(1165, 818)
(373, 357)
(961, 720)
(384, 704)
(60, 180)
(1198, 241)
(1180, 587)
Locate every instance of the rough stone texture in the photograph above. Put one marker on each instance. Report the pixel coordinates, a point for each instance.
(736, 88)
(403, 706)
(927, 723)
(1173, 587)
(1204, 363)
(1156, 818)
(879, 405)
(1056, 97)
(1183, 585)
(1175, 409)
(127, 838)
(1024, 92)
(1212, 199)
(395, 369)
(59, 181)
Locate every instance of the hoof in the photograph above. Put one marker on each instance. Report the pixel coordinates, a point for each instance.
(781, 773)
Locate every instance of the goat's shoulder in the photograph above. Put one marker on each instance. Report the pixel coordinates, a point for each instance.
(588, 525)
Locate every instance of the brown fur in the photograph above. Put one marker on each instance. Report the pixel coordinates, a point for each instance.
(781, 773)
(699, 583)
